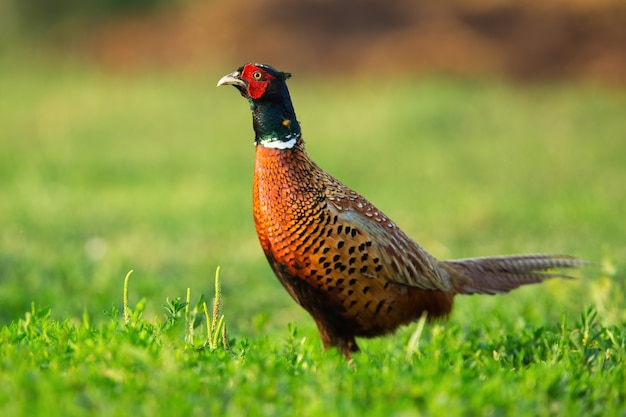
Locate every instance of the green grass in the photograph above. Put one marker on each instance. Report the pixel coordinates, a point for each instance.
(101, 174)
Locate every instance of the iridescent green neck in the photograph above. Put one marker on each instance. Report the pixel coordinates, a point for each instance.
(275, 123)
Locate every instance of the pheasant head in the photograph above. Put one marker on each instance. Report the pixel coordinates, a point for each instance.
(273, 116)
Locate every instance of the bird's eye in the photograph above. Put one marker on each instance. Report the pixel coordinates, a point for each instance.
(257, 75)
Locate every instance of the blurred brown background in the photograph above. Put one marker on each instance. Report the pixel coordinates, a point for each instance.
(529, 40)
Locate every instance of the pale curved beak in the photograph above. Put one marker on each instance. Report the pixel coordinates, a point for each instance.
(231, 79)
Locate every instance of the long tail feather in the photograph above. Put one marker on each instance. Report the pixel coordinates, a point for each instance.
(500, 274)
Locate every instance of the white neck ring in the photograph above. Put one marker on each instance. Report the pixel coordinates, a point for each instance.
(275, 143)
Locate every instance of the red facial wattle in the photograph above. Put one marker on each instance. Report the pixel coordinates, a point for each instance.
(257, 80)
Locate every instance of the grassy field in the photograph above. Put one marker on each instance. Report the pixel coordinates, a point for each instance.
(101, 174)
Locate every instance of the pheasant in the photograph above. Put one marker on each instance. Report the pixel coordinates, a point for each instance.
(346, 263)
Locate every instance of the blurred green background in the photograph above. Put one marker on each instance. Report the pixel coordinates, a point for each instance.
(480, 127)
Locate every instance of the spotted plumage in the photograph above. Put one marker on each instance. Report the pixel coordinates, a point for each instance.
(336, 254)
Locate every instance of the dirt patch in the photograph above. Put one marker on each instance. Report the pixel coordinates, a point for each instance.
(523, 40)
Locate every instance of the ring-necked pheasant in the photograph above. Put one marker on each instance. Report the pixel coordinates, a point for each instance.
(337, 255)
